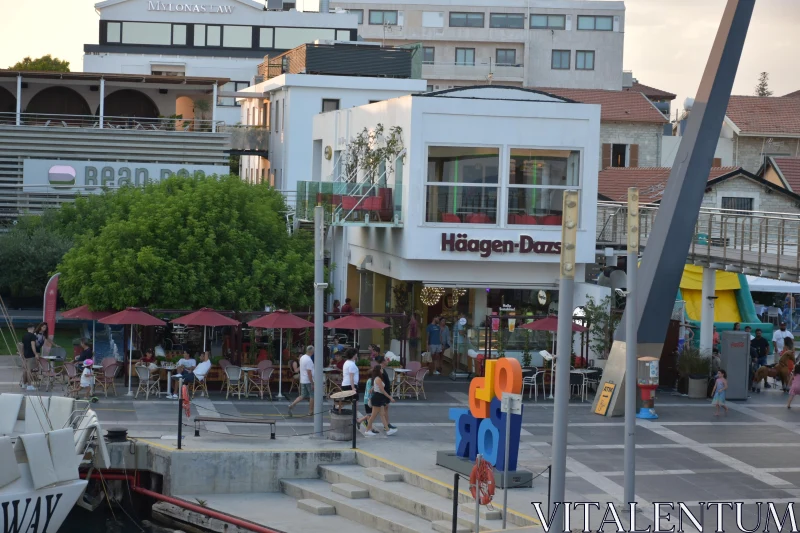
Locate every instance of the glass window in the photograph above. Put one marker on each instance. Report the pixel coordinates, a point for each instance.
(506, 20)
(584, 60)
(199, 34)
(742, 205)
(359, 12)
(428, 54)
(231, 86)
(433, 19)
(586, 22)
(506, 56)
(560, 60)
(288, 38)
(466, 20)
(329, 105)
(429, 88)
(462, 184)
(465, 57)
(179, 34)
(213, 35)
(381, 16)
(549, 22)
(113, 31)
(536, 183)
(237, 37)
(342, 35)
(265, 37)
(146, 33)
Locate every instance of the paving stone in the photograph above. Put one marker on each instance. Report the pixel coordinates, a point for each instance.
(316, 507)
(350, 491)
(382, 474)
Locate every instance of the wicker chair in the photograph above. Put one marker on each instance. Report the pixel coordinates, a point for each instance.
(235, 381)
(223, 364)
(199, 384)
(260, 382)
(46, 374)
(416, 383)
(149, 382)
(73, 382)
(105, 377)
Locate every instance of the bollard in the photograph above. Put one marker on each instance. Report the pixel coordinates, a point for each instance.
(180, 412)
(549, 479)
(355, 420)
(455, 501)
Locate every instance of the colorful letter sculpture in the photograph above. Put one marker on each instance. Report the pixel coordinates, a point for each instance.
(482, 427)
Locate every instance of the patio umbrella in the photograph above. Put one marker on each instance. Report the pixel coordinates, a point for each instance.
(84, 313)
(356, 322)
(550, 323)
(205, 317)
(280, 320)
(132, 316)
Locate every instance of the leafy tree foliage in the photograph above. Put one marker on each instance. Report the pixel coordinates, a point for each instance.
(43, 64)
(762, 88)
(186, 243)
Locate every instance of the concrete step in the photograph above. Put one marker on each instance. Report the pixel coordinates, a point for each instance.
(405, 497)
(382, 474)
(316, 507)
(486, 513)
(365, 512)
(350, 491)
(447, 527)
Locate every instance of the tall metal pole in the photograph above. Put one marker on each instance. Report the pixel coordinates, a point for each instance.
(319, 295)
(477, 496)
(630, 347)
(566, 289)
(505, 466)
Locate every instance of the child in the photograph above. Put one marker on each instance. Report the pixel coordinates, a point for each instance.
(719, 392)
(795, 389)
(87, 377)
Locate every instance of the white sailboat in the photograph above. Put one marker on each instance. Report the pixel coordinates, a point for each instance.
(43, 443)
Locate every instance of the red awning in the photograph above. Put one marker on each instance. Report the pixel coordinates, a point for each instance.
(84, 313)
(549, 324)
(133, 315)
(355, 321)
(205, 317)
(280, 320)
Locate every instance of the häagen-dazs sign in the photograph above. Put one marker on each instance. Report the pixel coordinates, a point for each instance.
(181, 7)
(460, 242)
(58, 175)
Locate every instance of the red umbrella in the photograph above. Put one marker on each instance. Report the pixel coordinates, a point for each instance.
(205, 317)
(281, 320)
(550, 324)
(355, 321)
(84, 313)
(132, 316)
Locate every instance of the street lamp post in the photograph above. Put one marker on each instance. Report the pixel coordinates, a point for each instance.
(630, 346)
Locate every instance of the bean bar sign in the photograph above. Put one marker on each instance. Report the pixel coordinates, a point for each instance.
(460, 242)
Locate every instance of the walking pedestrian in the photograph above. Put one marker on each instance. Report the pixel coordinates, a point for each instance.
(413, 336)
(380, 399)
(383, 362)
(444, 338)
(306, 382)
(434, 342)
(795, 389)
(720, 387)
(779, 337)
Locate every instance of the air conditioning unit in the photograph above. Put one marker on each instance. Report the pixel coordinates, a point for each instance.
(274, 5)
(256, 80)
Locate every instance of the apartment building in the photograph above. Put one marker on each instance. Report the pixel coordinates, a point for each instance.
(535, 43)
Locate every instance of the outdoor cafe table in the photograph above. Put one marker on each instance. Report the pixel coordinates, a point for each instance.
(246, 372)
(327, 385)
(169, 369)
(400, 375)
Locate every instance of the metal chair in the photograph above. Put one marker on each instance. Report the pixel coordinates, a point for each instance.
(105, 377)
(773, 315)
(532, 382)
(73, 379)
(577, 381)
(148, 382)
(416, 383)
(260, 382)
(594, 380)
(46, 374)
(235, 381)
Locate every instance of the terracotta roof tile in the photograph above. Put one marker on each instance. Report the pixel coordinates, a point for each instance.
(650, 92)
(616, 106)
(790, 168)
(613, 183)
(765, 115)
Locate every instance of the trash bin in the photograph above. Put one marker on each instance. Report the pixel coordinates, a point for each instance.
(341, 428)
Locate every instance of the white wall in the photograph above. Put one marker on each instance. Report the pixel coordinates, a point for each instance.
(670, 145)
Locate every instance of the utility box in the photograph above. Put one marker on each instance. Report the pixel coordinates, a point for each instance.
(735, 360)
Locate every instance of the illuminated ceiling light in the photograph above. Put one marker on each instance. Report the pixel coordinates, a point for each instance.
(431, 295)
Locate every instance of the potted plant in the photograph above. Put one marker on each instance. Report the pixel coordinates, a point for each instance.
(695, 366)
(527, 360)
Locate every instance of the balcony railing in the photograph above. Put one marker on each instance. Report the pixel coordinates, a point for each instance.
(247, 138)
(109, 122)
(480, 70)
(365, 203)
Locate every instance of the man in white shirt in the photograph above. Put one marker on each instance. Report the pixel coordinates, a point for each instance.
(187, 363)
(197, 372)
(778, 336)
(306, 381)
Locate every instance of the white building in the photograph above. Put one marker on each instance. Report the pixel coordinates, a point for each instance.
(469, 209)
(226, 39)
(530, 43)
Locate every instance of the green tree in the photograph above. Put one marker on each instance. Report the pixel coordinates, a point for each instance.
(29, 254)
(46, 63)
(186, 243)
(762, 88)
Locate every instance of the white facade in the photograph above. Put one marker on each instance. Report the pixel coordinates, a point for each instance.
(508, 42)
(227, 39)
(294, 101)
(498, 120)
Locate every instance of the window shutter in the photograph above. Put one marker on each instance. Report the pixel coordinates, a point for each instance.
(717, 162)
(634, 155)
(606, 155)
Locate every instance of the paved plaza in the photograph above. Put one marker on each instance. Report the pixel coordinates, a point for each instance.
(686, 455)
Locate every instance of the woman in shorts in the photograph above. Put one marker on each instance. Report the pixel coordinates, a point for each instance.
(379, 399)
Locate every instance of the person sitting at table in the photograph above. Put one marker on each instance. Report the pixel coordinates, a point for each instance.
(338, 359)
(148, 358)
(187, 363)
(86, 351)
(197, 371)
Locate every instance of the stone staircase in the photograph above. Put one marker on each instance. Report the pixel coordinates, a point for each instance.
(392, 500)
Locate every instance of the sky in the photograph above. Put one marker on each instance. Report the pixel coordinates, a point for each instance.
(666, 43)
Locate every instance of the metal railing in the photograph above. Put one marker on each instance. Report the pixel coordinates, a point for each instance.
(109, 122)
(458, 70)
(752, 242)
(247, 138)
